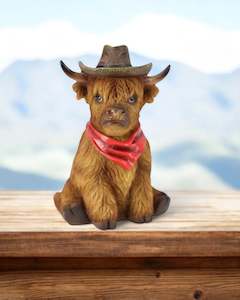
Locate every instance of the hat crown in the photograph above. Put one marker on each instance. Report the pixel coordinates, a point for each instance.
(114, 57)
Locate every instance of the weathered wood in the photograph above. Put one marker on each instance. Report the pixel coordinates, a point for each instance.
(191, 252)
(120, 244)
(122, 284)
(198, 224)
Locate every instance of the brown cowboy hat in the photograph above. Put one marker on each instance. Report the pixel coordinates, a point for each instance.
(114, 62)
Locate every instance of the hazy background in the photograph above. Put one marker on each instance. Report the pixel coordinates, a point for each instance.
(193, 125)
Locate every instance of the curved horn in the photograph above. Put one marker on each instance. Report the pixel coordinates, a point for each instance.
(156, 78)
(80, 77)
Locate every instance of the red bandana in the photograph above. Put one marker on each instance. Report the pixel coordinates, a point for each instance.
(124, 153)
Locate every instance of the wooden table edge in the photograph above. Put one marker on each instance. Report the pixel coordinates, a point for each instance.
(120, 244)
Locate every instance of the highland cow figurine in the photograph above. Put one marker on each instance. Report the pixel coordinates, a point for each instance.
(110, 176)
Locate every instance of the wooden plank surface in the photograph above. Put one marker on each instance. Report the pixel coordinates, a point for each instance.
(198, 224)
(189, 211)
(120, 244)
(151, 284)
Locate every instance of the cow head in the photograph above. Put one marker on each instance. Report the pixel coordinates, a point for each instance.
(115, 102)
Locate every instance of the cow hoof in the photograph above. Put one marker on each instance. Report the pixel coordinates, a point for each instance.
(161, 203)
(75, 214)
(108, 224)
(143, 219)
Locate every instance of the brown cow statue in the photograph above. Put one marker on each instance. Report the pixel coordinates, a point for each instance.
(110, 176)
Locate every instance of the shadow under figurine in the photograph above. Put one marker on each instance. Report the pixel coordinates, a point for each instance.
(110, 176)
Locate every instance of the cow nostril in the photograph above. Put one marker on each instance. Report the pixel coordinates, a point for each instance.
(115, 111)
(109, 112)
(119, 111)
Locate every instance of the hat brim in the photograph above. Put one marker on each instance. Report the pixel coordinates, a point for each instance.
(116, 71)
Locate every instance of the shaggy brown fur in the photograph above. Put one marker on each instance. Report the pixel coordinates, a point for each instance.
(98, 190)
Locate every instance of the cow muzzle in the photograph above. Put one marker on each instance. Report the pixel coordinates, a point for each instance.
(115, 115)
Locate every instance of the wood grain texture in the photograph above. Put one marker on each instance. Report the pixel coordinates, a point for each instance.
(122, 284)
(71, 263)
(189, 211)
(191, 252)
(120, 244)
(198, 224)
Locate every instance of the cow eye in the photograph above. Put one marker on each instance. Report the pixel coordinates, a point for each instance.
(98, 98)
(132, 99)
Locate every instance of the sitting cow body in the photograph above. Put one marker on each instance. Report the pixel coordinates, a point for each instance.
(107, 184)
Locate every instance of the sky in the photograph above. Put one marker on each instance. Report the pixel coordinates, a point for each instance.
(203, 34)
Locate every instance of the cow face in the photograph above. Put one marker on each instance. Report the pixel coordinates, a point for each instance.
(115, 103)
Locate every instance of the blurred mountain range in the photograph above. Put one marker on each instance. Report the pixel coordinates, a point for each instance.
(24, 180)
(193, 126)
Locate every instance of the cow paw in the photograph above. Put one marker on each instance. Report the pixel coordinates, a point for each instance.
(161, 202)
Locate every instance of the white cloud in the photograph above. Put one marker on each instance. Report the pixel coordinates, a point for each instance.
(53, 163)
(190, 176)
(197, 44)
(162, 37)
(48, 40)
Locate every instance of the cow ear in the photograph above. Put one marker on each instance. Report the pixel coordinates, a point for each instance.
(80, 89)
(149, 92)
(150, 89)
